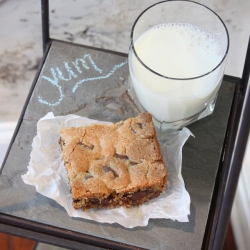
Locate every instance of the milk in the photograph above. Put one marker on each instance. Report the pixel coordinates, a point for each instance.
(176, 51)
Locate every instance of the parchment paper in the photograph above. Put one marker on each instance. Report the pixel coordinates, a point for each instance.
(47, 173)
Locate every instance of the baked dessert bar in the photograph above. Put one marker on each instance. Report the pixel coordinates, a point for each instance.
(113, 165)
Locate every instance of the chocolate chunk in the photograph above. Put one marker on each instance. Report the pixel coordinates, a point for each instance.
(139, 124)
(132, 163)
(133, 130)
(122, 157)
(120, 124)
(100, 158)
(155, 195)
(107, 169)
(137, 196)
(90, 146)
(60, 140)
(105, 201)
(95, 201)
(88, 176)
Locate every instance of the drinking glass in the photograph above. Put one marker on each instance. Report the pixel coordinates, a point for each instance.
(177, 59)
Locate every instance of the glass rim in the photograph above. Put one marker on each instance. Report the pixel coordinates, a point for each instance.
(174, 78)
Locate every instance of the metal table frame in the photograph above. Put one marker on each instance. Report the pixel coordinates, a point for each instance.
(225, 184)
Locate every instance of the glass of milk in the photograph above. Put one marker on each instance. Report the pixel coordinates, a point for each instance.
(176, 61)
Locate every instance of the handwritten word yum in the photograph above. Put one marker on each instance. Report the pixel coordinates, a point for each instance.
(57, 75)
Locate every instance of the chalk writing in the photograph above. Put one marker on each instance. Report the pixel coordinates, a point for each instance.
(56, 75)
(98, 77)
(54, 82)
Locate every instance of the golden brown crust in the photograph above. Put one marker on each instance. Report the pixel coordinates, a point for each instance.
(113, 165)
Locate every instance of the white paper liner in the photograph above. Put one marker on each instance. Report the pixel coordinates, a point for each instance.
(47, 173)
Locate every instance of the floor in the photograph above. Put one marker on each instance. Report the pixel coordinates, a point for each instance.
(90, 23)
(8, 242)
